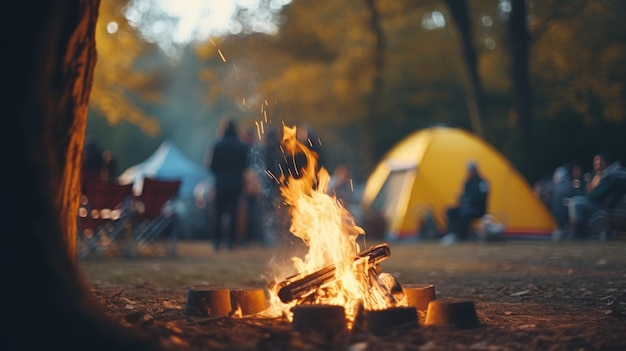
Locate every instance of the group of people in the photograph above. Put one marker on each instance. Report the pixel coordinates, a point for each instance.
(248, 208)
(573, 196)
(247, 205)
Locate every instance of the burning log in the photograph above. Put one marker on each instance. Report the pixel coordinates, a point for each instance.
(388, 286)
(328, 319)
(298, 286)
(207, 302)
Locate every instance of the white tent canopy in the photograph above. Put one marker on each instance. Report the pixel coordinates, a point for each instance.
(167, 163)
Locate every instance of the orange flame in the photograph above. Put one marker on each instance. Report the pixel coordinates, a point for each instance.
(330, 233)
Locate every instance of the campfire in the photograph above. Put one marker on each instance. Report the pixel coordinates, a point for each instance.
(335, 271)
(337, 285)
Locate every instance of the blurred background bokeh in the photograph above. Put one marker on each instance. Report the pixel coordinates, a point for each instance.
(542, 81)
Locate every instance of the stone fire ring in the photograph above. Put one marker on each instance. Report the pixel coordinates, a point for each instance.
(249, 300)
(217, 302)
(419, 295)
(453, 313)
(207, 302)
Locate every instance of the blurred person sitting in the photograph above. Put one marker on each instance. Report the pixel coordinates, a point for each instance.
(543, 188)
(560, 190)
(606, 188)
(471, 205)
(565, 185)
(600, 163)
(579, 178)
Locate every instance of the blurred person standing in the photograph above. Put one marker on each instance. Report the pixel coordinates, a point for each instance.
(252, 193)
(92, 162)
(251, 229)
(269, 160)
(109, 167)
(341, 187)
(306, 136)
(228, 161)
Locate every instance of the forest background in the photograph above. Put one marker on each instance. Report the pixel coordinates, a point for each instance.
(542, 81)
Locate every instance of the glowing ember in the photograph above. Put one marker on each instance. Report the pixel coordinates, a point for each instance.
(347, 275)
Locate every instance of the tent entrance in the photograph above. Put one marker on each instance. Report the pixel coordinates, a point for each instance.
(393, 195)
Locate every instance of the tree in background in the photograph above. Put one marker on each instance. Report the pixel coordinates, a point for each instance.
(521, 106)
(125, 82)
(460, 12)
(372, 116)
(320, 68)
(577, 71)
(305, 73)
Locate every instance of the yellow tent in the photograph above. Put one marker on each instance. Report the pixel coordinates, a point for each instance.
(424, 173)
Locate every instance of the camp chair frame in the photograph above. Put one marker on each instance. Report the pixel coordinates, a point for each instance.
(153, 215)
(103, 218)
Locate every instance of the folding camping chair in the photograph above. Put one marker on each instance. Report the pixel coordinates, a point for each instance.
(103, 218)
(154, 218)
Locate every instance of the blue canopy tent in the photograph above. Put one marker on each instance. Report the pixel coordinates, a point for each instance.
(167, 163)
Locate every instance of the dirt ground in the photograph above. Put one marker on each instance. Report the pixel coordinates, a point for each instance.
(538, 295)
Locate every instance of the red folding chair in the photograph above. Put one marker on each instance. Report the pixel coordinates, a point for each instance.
(154, 217)
(103, 218)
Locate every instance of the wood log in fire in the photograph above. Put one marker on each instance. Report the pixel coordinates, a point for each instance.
(298, 286)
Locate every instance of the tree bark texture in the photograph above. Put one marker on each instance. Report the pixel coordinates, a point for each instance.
(460, 12)
(75, 68)
(50, 53)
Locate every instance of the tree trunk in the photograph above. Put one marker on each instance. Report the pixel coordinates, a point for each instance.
(50, 49)
(521, 85)
(371, 121)
(75, 70)
(460, 12)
